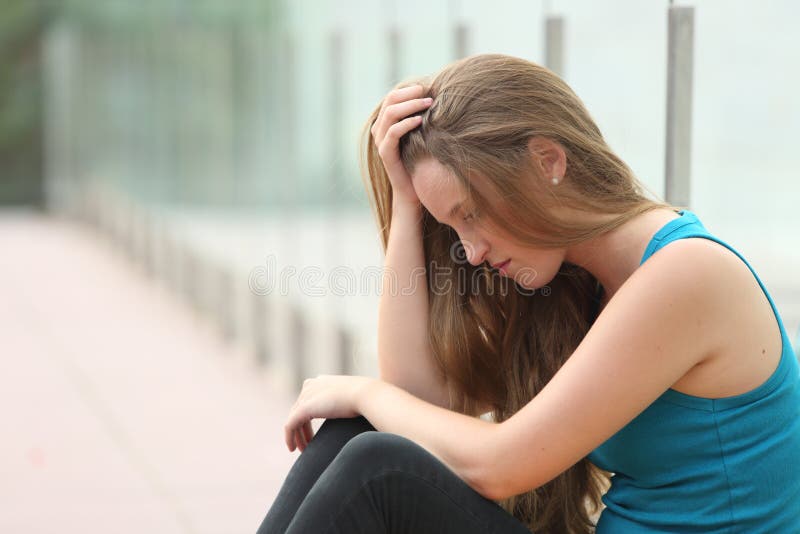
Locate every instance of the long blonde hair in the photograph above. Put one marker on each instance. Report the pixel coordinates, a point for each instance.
(498, 345)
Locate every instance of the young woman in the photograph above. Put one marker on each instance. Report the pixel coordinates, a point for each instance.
(604, 331)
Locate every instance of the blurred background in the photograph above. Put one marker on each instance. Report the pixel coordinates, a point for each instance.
(184, 233)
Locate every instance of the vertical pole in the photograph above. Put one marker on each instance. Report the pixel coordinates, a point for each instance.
(58, 62)
(335, 104)
(554, 44)
(260, 328)
(299, 366)
(394, 56)
(291, 197)
(240, 36)
(460, 31)
(394, 42)
(286, 123)
(680, 48)
(461, 40)
(338, 198)
(346, 350)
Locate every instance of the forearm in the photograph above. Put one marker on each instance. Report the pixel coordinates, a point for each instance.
(464, 444)
(404, 352)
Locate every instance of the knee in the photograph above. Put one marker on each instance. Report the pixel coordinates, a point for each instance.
(369, 444)
(373, 451)
(335, 433)
(353, 424)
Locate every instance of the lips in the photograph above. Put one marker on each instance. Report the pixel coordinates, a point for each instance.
(502, 265)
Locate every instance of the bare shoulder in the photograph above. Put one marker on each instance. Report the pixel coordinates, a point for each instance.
(697, 248)
(654, 330)
(698, 260)
(740, 334)
(685, 284)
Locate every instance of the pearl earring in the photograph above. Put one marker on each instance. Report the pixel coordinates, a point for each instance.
(555, 180)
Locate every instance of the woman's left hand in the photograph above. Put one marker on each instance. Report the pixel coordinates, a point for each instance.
(324, 397)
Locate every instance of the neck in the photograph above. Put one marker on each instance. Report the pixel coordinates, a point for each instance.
(615, 255)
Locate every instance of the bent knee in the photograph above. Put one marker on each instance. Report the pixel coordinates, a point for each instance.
(352, 425)
(377, 449)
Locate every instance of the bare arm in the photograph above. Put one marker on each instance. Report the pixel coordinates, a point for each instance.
(405, 357)
(404, 351)
(651, 333)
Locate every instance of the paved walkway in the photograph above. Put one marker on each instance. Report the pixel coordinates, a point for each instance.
(121, 411)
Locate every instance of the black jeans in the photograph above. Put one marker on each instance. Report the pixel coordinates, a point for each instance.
(354, 480)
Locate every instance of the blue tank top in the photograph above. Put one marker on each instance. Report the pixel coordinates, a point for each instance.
(693, 464)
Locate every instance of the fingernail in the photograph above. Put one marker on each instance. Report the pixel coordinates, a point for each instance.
(428, 100)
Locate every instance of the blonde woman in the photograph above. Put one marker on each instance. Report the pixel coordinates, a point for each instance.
(603, 331)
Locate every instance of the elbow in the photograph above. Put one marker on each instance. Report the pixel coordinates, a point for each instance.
(491, 492)
(507, 480)
(489, 478)
(493, 486)
(496, 488)
(484, 484)
(502, 473)
(498, 491)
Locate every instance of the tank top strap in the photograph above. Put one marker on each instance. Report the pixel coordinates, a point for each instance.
(686, 224)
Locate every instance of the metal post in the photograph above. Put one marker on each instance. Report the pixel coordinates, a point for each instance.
(61, 187)
(299, 366)
(335, 105)
(461, 38)
(680, 48)
(394, 56)
(338, 198)
(554, 44)
(285, 111)
(260, 328)
(460, 30)
(346, 350)
(394, 43)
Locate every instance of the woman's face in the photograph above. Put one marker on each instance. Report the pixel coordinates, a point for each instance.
(446, 200)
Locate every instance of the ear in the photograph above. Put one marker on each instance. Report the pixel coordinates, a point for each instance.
(550, 156)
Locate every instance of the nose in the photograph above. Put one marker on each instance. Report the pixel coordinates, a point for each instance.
(476, 251)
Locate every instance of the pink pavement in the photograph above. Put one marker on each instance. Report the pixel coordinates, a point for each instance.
(121, 410)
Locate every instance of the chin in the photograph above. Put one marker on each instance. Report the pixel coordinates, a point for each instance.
(531, 279)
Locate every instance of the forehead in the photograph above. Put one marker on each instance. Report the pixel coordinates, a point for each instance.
(437, 188)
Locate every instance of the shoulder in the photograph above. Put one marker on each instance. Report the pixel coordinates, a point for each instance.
(697, 262)
(692, 248)
(656, 327)
(685, 287)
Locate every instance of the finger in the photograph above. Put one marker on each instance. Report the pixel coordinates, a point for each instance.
(308, 431)
(288, 437)
(398, 95)
(301, 440)
(394, 134)
(288, 428)
(392, 114)
(292, 423)
(403, 93)
(395, 112)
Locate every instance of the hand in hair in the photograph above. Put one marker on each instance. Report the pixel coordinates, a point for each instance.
(392, 123)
